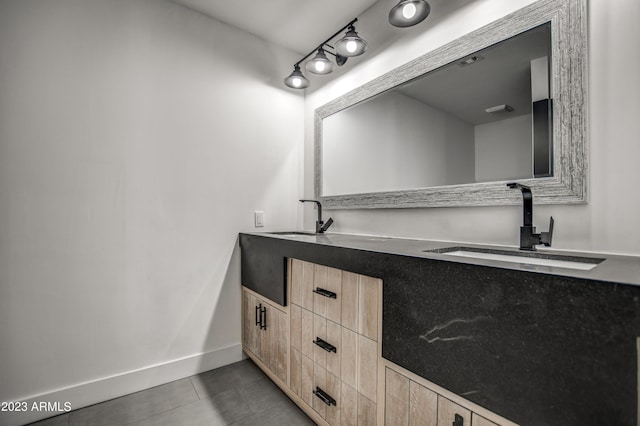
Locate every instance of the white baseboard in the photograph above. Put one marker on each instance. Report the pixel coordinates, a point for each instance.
(105, 388)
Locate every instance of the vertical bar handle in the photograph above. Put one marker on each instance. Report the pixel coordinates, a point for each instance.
(263, 318)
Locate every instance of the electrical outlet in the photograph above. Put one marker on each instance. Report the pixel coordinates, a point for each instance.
(258, 219)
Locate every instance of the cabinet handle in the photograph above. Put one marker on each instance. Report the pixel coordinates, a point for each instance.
(258, 319)
(325, 293)
(263, 318)
(324, 345)
(458, 420)
(324, 396)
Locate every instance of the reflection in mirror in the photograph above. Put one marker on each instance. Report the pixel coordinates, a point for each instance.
(483, 118)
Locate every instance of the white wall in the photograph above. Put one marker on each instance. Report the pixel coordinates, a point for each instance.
(503, 149)
(394, 142)
(136, 139)
(608, 223)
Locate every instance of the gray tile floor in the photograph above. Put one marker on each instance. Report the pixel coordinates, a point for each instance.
(236, 394)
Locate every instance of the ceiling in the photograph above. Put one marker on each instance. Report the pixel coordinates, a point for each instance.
(502, 76)
(284, 22)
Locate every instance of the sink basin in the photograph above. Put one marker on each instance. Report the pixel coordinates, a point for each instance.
(527, 258)
(294, 233)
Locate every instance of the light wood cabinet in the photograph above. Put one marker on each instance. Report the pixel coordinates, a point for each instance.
(409, 403)
(334, 342)
(324, 351)
(266, 333)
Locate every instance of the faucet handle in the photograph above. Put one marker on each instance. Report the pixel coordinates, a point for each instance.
(326, 225)
(545, 237)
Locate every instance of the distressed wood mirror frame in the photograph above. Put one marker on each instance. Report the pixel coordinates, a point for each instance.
(569, 81)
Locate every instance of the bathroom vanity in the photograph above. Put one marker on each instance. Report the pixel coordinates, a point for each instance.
(375, 330)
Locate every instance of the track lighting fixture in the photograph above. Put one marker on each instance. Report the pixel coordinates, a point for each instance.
(409, 12)
(349, 45)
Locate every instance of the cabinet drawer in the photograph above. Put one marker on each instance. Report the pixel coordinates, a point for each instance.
(344, 353)
(345, 298)
(318, 388)
(326, 389)
(317, 288)
(334, 400)
(321, 341)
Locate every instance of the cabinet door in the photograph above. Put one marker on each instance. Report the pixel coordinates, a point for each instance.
(251, 329)
(275, 341)
(450, 412)
(423, 406)
(408, 403)
(396, 399)
(266, 333)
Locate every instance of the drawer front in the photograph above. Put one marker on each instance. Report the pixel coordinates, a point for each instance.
(322, 341)
(333, 399)
(326, 389)
(350, 356)
(347, 299)
(327, 292)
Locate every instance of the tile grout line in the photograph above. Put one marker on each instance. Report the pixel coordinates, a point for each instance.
(194, 387)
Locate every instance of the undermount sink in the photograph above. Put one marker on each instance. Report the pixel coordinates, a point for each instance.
(294, 233)
(528, 258)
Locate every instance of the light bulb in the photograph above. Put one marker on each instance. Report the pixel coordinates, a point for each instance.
(320, 66)
(296, 81)
(351, 46)
(409, 11)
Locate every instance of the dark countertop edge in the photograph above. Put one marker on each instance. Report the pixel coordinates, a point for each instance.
(616, 269)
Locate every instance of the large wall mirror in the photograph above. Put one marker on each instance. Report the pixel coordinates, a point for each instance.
(504, 103)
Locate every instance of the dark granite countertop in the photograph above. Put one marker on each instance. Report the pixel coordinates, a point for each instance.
(615, 268)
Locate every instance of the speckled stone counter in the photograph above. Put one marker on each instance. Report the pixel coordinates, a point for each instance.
(537, 345)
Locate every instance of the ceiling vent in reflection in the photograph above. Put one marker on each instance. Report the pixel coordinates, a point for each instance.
(499, 108)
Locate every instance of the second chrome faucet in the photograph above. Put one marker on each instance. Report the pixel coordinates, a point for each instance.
(320, 225)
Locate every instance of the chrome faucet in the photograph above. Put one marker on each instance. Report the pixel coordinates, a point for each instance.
(320, 225)
(528, 237)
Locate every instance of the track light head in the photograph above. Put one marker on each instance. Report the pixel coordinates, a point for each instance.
(351, 44)
(320, 64)
(409, 12)
(296, 79)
